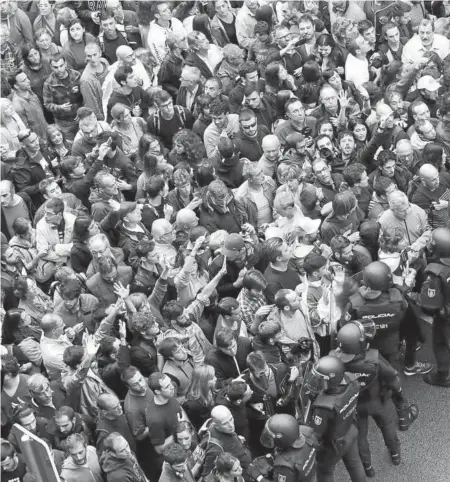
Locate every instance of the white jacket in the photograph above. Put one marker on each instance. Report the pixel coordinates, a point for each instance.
(47, 237)
(157, 36)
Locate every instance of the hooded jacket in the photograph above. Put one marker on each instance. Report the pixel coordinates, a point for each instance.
(91, 88)
(20, 28)
(229, 170)
(100, 206)
(169, 74)
(121, 470)
(89, 472)
(250, 147)
(57, 439)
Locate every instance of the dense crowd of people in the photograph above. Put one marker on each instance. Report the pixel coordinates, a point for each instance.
(225, 226)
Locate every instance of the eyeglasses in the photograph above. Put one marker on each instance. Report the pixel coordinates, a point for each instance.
(250, 126)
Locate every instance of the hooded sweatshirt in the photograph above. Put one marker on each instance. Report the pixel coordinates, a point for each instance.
(20, 28)
(89, 472)
(121, 470)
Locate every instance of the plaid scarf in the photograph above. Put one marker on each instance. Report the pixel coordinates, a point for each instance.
(8, 59)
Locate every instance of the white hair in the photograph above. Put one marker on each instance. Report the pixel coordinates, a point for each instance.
(398, 199)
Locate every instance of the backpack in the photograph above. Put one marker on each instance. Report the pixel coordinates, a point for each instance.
(178, 110)
(432, 294)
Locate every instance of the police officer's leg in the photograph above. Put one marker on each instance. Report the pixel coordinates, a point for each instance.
(385, 417)
(353, 463)
(441, 343)
(326, 460)
(362, 425)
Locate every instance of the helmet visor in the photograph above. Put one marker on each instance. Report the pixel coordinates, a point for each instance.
(267, 438)
(368, 328)
(315, 382)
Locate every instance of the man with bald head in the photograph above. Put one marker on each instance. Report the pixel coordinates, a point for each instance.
(391, 133)
(53, 344)
(93, 77)
(433, 195)
(164, 236)
(13, 207)
(222, 429)
(406, 155)
(272, 156)
(111, 419)
(125, 57)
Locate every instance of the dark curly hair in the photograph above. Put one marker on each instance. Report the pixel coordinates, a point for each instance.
(193, 148)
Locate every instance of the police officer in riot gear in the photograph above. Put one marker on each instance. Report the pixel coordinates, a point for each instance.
(440, 244)
(332, 418)
(294, 456)
(378, 300)
(376, 378)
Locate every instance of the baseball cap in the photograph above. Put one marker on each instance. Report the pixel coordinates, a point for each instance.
(233, 243)
(300, 252)
(310, 226)
(429, 83)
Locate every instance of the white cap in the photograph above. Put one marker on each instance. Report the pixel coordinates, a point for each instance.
(310, 226)
(429, 83)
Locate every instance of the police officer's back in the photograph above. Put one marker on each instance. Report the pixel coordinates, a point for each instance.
(333, 414)
(441, 316)
(294, 456)
(376, 377)
(382, 303)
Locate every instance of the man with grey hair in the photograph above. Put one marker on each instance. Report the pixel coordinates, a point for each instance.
(433, 195)
(43, 398)
(233, 56)
(53, 344)
(410, 219)
(190, 87)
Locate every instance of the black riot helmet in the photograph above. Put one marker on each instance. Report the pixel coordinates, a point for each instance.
(281, 430)
(353, 338)
(326, 373)
(377, 276)
(441, 242)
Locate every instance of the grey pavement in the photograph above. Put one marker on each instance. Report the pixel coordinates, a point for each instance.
(426, 445)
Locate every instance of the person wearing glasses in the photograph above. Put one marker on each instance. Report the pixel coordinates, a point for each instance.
(168, 119)
(250, 136)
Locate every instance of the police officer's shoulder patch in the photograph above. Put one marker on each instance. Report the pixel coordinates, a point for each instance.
(281, 478)
(317, 420)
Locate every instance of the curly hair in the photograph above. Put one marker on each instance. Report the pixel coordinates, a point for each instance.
(193, 147)
(142, 320)
(390, 239)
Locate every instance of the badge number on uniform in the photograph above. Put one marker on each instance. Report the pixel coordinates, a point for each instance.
(281, 478)
(317, 420)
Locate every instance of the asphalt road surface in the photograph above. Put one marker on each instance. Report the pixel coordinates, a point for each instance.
(426, 445)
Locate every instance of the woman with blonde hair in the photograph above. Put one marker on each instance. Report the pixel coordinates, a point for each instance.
(10, 126)
(130, 128)
(200, 395)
